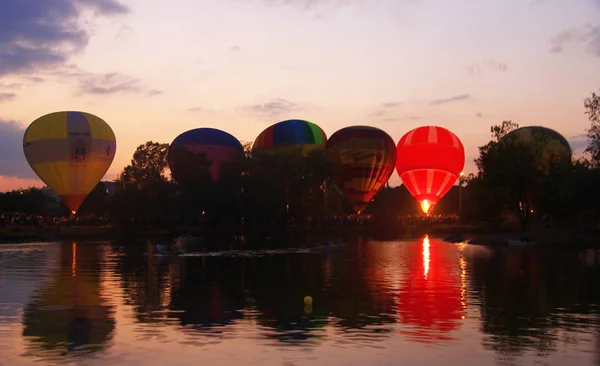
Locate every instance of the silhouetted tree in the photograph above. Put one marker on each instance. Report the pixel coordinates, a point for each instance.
(592, 110)
(27, 201)
(145, 188)
(149, 163)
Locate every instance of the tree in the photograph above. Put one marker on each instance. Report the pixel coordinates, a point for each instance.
(149, 163)
(592, 110)
(498, 132)
(283, 186)
(145, 185)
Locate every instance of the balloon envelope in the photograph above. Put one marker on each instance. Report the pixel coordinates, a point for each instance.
(429, 161)
(294, 135)
(363, 159)
(548, 144)
(217, 147)
(70, 152)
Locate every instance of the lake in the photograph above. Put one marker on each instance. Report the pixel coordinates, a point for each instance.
(421, 302)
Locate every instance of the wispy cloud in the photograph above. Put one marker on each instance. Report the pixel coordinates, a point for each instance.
(315, 4)
(478, 68)
(34, 79)
(154, 92)
(105, 7)
(42, 34)
(479, 115)
(6, 97)
(579, 142)
(124, 31)
(235, 48)
(400, 119)
(306, 4)
(588, 35)
(275, 107)
(107, 84)
(456, 98)
(385, 108)
(11, 85)
(200, 110)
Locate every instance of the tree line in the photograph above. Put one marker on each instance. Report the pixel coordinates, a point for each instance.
(286, 189)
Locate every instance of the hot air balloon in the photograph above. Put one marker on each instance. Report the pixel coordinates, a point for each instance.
(540, 147)
(363, 160)
(293, 136)
(70, 152)
(547, 144)
(429, 161)
(204, 151)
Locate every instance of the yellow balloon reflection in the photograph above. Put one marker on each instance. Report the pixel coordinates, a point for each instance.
(70, 313)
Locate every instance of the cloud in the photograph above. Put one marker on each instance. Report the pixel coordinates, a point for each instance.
(110, 83)
(105, 7)
(12, 160)
(490, 65)
(124, 31)
(43, 34)
(201, 110)
(272, 108)
(401, 119)
(479, 115)
(235, 48)
(11, 85)
(99, 84)
(385, 108)
(589, 35)
(305, 4)
(6, 97)
(34, 79)
(154, 92)
(8, 90)
(451, 99)
(579, 142)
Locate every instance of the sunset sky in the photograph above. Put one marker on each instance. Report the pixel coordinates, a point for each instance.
(155, 68)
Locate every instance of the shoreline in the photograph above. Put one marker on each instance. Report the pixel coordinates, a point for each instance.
(544, 237)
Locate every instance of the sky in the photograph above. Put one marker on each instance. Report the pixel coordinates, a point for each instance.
(153, 69)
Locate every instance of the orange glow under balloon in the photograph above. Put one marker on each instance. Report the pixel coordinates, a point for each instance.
(425, 206)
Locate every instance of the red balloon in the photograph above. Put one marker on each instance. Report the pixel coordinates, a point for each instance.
(429, 160)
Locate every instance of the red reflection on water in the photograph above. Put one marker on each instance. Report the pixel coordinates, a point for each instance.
(432, 297)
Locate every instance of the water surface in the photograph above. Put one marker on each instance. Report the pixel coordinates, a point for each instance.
(421, 302)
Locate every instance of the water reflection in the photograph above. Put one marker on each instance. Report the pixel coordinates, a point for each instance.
(431, 299)
(70, 314)
(529, 306)
(390, 299)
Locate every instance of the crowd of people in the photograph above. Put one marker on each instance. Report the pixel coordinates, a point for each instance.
(20, 220)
